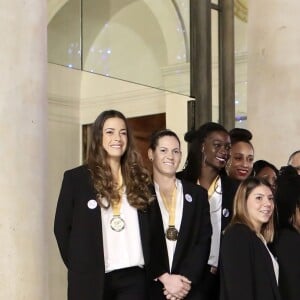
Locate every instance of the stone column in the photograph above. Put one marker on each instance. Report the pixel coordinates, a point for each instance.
(23, 150)
(226, 65)
(200, 111)
(273, 78)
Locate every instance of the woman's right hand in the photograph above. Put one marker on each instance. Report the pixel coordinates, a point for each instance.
(175, 285)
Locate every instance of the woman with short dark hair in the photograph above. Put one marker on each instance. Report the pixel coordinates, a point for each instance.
(240, 164)
(266, 170)
(180, 225)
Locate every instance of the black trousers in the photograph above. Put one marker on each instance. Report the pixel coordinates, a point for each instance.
(126, 284)
(210, 286)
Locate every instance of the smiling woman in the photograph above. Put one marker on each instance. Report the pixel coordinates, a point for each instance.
(101, 222)
(180, 225)
(114, 138)
(240, 164)
(249, 271)
(207, 157)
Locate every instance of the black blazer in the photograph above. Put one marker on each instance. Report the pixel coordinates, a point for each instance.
(287, 248)
(246, 268)
(229, 187)
(78, 232)
(193, 244)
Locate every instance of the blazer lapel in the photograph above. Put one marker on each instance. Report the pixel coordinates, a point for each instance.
(186, 224)
(228, 191)
(158, 246)
(271, 274)
(144, 232)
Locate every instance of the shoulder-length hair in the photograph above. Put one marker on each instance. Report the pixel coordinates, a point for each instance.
(136, 178)
(240, 212)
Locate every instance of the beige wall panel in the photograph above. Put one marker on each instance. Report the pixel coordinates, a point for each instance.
(273, 78)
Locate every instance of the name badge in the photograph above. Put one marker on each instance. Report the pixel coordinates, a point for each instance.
(92, 204)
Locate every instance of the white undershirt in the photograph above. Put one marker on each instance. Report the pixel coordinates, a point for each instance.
(122, 249)
(274, 261)
(171, 245)
(215, 204)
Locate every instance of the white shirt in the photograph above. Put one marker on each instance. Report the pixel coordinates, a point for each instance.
(274, 261)
(215, 204)
(171, 245)
(122, 249)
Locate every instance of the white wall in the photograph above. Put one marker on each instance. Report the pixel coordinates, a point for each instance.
(273, 78)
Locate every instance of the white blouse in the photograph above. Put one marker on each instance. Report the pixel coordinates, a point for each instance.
(274, 261)
(171, 245)
(215, 204)
(122, 249)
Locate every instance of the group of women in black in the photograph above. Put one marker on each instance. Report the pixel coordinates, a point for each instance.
(195, 234)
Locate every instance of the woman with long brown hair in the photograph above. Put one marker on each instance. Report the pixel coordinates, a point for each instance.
(101, 221)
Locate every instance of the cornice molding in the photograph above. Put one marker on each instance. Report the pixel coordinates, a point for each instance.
(63, 109)
(144, 101)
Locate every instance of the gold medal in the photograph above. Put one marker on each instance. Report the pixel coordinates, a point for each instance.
(172, 233)
(117, 223)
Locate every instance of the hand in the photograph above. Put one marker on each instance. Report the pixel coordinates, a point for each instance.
(170, 296)
(175, 286)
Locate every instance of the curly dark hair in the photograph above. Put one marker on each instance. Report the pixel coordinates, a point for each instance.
(196, 138)
(136, 178)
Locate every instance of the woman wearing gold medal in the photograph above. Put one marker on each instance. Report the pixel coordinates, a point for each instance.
(209, 151)
(180, 225)
(101, 222)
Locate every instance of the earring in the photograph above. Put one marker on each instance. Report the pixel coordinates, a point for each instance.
(228, 165)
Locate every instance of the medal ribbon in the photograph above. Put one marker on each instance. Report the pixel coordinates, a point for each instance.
(116, 206)
(212, 187)
(170, 207)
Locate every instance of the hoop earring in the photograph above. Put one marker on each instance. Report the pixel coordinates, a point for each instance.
(228, 166)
